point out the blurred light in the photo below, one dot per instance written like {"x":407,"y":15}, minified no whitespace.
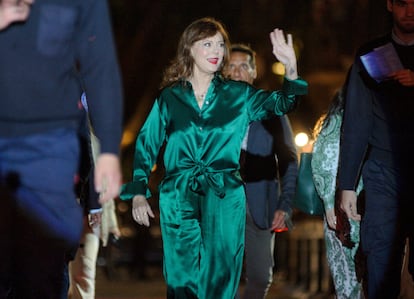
{"x":127,"y":232}
{"x":278,"y":68}
{"x":128,"y":137}
{"x":122,"y":207}
{"x":301,"y":139}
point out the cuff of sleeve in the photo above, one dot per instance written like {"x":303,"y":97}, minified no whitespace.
{"x":285,"y":205}
{"x":129,"y":190}
{"x":295,"y":87}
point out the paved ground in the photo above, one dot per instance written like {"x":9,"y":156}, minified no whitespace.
{"x":153,"y":287}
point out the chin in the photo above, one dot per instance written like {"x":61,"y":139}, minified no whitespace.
{"x":214,"y":70}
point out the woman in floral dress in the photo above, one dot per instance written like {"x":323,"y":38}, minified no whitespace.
{"x":341,"y":259}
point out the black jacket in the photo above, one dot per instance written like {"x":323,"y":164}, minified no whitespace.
{"x":378,"y":122}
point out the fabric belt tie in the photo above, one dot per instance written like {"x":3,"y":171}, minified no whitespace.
{"x":204,"y":177}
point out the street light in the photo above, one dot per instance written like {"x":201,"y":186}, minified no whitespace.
{"x":301,"y":139}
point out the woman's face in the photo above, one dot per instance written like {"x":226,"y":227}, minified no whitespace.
{"x":208,"y":54}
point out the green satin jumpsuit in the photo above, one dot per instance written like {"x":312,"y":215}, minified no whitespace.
{"x":202,"y":199}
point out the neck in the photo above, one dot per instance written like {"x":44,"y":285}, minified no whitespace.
{"x":199,"y":79}
{"x":407,"y":38}
{"x":201,"y":82}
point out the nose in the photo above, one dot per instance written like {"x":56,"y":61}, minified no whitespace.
{"x":216,"y":49}
{"x":237,"y":69}
{"x":235,"y":73}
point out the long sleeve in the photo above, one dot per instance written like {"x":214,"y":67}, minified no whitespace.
{"x":147,"y":147}
{"x":285,"y":151}
{"x":278,"y":102}
{"x":101,"y":75}
{"x":357,"y":125}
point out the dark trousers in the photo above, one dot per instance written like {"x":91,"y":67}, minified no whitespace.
{"x":383,"y":229}
{"x":40,"y":218}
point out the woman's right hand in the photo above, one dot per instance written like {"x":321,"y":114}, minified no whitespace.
{"x":141,"y":210}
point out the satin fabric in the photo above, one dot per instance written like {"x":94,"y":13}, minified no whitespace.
{"x":202,"y":199}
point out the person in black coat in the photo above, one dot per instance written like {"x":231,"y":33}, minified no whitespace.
{"x":376,"y":129}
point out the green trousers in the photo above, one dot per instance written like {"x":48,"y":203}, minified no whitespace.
{"x":203,"y":239}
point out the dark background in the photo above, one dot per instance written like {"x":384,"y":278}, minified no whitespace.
{"x":326,"y":34}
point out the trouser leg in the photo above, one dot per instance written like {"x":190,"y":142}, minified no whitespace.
{"x":181,"y":235}
{"x":7,"y":235}
{"x":381,"y":231}
{"x":47,"y":218}
{"x":223,"y":226}
{"x":259,"y":260}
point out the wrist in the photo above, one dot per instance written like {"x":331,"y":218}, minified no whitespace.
{"x":291,"y":71}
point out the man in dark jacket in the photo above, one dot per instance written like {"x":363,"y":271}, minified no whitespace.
{"x":269,"y":169}
{"x":41,"y":62}
{"x":375,"y":143}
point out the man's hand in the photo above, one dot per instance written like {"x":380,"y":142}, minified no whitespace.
{"x":108,"y":177}
{"x":13,"y":11}
{"x":141,"y":210}
{"x":284,"y":52}
{"x":405,"y":77}
{"x":278,"y":220}
{"x":349,"y":204}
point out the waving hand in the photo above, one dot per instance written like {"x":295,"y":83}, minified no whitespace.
{"x":284,"y":52}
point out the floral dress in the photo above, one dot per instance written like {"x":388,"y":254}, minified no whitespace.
{"x":341,"y":259}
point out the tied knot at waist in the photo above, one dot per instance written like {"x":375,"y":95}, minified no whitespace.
{"x":204,"y":177}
